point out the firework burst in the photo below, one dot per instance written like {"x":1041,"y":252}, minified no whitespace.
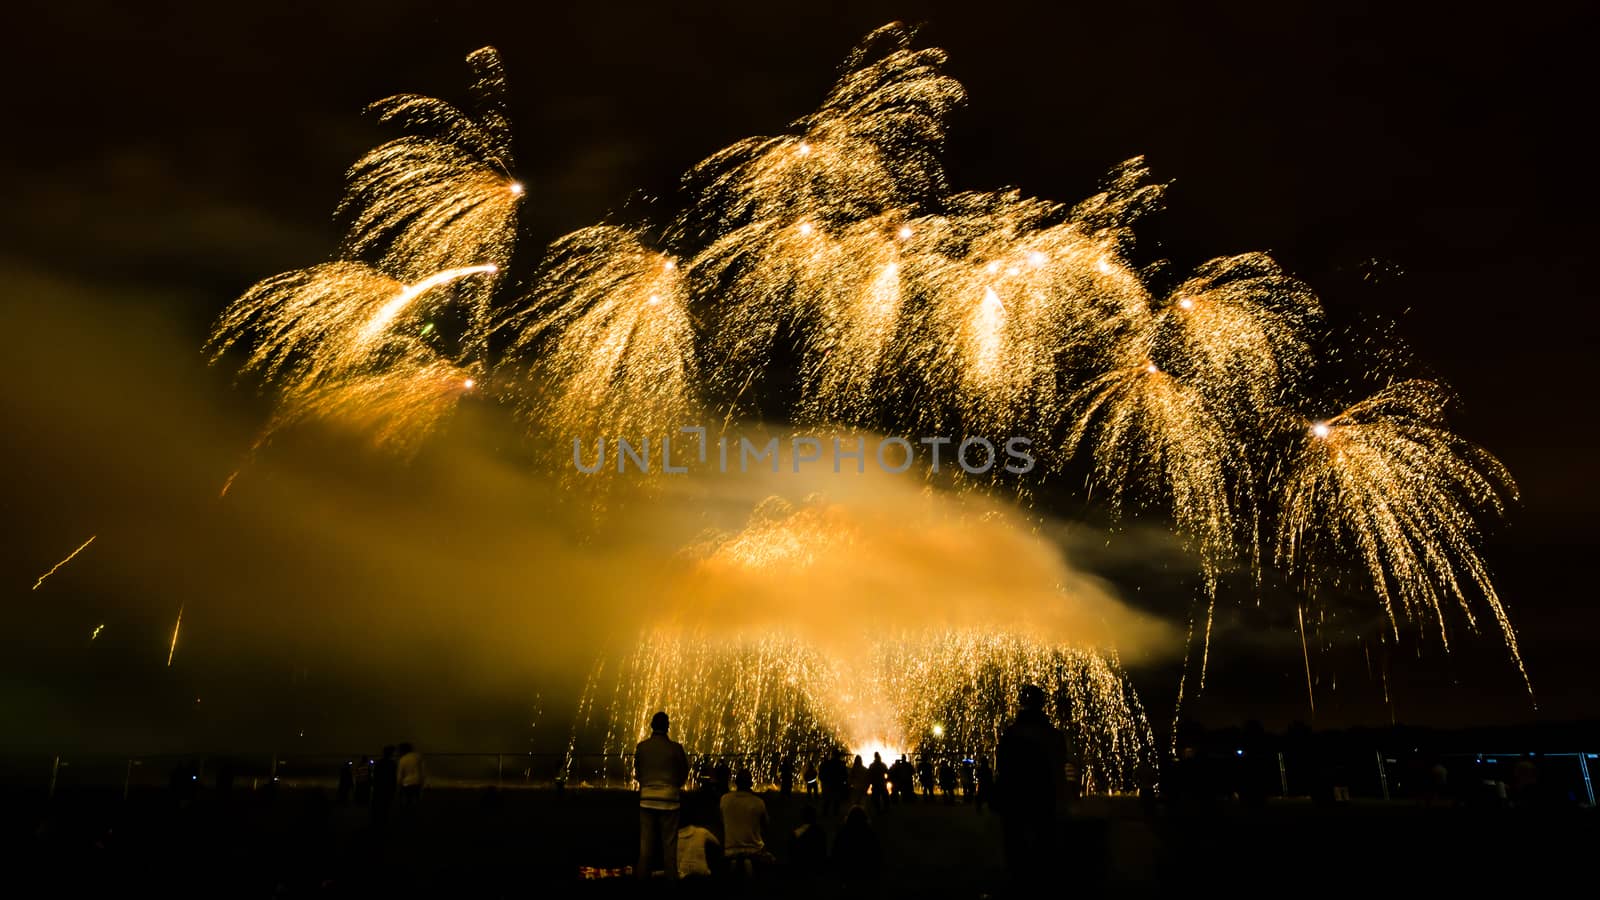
{"x":441,"y":196}
{"x":610,"y":318}
{"x":343,"y":341}
{"x":1386,"y":483}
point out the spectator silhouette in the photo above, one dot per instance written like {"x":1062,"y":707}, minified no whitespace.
{"x":834,"y":783}
{"x":698,"y":851}
{"x":878,"y":782}
{"x":744,"y":822}
{"x":857,"y":856}
{"x":786,"y":775}
{"x":925,"y":774}
{"x":903,"y":778}
{"x":984,"y":782}
{"x":808,"y":845}
{"x":660,"y":767}
{"x":1030,"y":779}
{"x":385,"y":775}
{"x":947,"y":781}
{"x":810,"y":777}
{"x":859,"y":779}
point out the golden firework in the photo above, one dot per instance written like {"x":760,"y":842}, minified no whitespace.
{"x":610,"y":322}
{"x":441,"y":196}
{"x":1386,"y":483}
{"x":343,"y":341}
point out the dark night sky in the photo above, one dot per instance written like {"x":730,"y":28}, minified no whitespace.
{"x":1429,"y":164}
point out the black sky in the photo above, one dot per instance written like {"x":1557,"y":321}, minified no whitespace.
{"x":1430,"y":164}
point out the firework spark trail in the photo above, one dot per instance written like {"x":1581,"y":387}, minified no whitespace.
{"x":1311,"y":697}
{"x":758,"y":697}
{"x":342,"y":340}
{"x":441,"y":196}
{"x":173,"y":649}
{"x":1385,"y":483}
{"x":612,"y":318}
{"x":63,"y":562}
{"x":871,"y":146}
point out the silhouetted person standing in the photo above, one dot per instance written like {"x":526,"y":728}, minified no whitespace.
{"x":878,"y":782}
{"x":660,"y":767}
{"x":1030,"y":780}
{"x":925,"y":775}
{"x":903,"y":778}
{"x":985,"y":784}
{"x":947,"y":781}
{"x":859,"y":779}
{"x":347,"y":780}
{"x":786,"y":775}
{"x":384,"y":779}
{"x":810,"y":776}
{"x":835,"y":783}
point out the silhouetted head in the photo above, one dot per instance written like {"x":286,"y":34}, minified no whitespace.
{"x":858,"y":760}
{"x":404,"y":749}
{"x":388,"y":752}
{"x":658,"y":723}
{"x":743,"y":781}
{"x":877,"y":757}
{"x":857,"y":818}
{"x":1031,"y":697}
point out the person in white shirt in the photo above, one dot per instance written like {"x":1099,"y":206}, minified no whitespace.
{"x":744,"y":818}
{"x":694,"y":841}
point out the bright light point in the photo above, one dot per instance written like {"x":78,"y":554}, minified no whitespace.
{"x":1320,"y":429}
{"x":805,"y":229}
{"x":669,"y":265}
{"x":655,"y":300}
{"x":804,"y":149}
{"x":516,"y":188}
{"x":992,"y":268}
{"x":1105,"y":267}
{"x":1012,"y":270}
{"x":1185,"y":303}
{"x":905,"y":232}
{"x":1151,"y":368}
{"x":491,"y":268}
{"x":468,"y":384}
{"x":1035,"y":258}
{"x":938,"y":731}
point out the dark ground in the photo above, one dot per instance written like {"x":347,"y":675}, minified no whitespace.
{"x":516,"y":843}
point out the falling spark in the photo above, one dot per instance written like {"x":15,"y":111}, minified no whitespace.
{"x":1306,"y":653}
{"x":175,"y":626}
{"x":63,"y":562}
{"x":97,"y":629}
{"x":757,"y":697}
